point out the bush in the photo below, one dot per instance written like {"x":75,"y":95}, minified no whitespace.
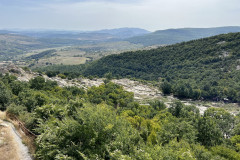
{"x":166,"y":87}
{"x":16,"y":109}
{"x":5,"y":96}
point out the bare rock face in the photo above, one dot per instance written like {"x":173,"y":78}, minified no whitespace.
{"x":3,"y":68}
{"x":238,"y":67}
{"x":141,"y":91}
{"x":21,"y":74}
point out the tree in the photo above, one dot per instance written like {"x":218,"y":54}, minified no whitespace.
{"x":224,"y":120}
{"x":17,"y":87}
{"x":110,"y":93}
{"x":37,"y":83}
{"x":166,"y":87}
{"x":235,"y":140}
{"x":179,"y":130}
{"x":5,"y":96}
{"x":176,"y":108}
{"x":226,"y":152}
{"x":95,"y":133}
{"x":158,"y":105}
{"x":208,"y":132}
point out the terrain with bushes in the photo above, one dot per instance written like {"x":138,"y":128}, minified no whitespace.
{"x":106,"y":123}
{"x":207,"y":68}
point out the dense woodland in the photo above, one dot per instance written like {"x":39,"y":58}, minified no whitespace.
{"x":200,"y":69}
{"x":105,"y":123}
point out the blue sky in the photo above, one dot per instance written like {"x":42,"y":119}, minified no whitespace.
{"x":106,"y":14}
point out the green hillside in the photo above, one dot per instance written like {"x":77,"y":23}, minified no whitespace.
{"x":206,"y":68}
{"x":172,"y":36}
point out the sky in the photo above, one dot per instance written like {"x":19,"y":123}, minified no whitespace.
{"x":87,"y":15}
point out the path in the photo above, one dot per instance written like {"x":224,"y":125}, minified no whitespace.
{"x":11,"y":146}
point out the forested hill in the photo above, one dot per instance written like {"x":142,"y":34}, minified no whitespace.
{"x":172,"y":36}
{"x":208,"y":68}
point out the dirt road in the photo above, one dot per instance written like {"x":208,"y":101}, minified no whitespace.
{"x":11,"y":146}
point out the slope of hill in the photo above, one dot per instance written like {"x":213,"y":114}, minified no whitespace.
{"x":12,"y":45}
{"x":207,"y":68}
{"x":172,"y":36}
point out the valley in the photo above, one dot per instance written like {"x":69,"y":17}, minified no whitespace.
{"x":78,"y":47}
{"x":119,"y":80}
{"x":74,"y":55}
{"x":112,"y":99}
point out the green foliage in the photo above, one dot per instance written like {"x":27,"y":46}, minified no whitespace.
{"x":208,"y":132}
{"x":110,"y":93}
{"x":157,"y":105}
{"x":76,"y":91}
{"x":62,"y":76}
{"x":95,"y":133}
{"x":235,"y":140}
{"x":16,"y":109}
{"x":176,"y":108}
{"x":225,"y":152}
{"x":5,"y":96}
{"x":31,"y":99}
{"x":42,"y":54}
{"x":179,"y":131}
{"x":222,"y":118}
{"x":39,"y":83}
{"x":18,"y":87}
{"x":106,"y":123}
{"x":166,"y":87}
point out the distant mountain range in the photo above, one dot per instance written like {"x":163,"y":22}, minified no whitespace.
{"x":124,"y":32}
{"x":172,"y":36}
{"x":16,"y":42}
{"x":106,"y":34}
{"x":132,"y":35}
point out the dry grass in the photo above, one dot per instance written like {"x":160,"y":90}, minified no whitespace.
{"x":30,"y":143}
{"x":63,"y":60}
{"x":2,"y":115}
